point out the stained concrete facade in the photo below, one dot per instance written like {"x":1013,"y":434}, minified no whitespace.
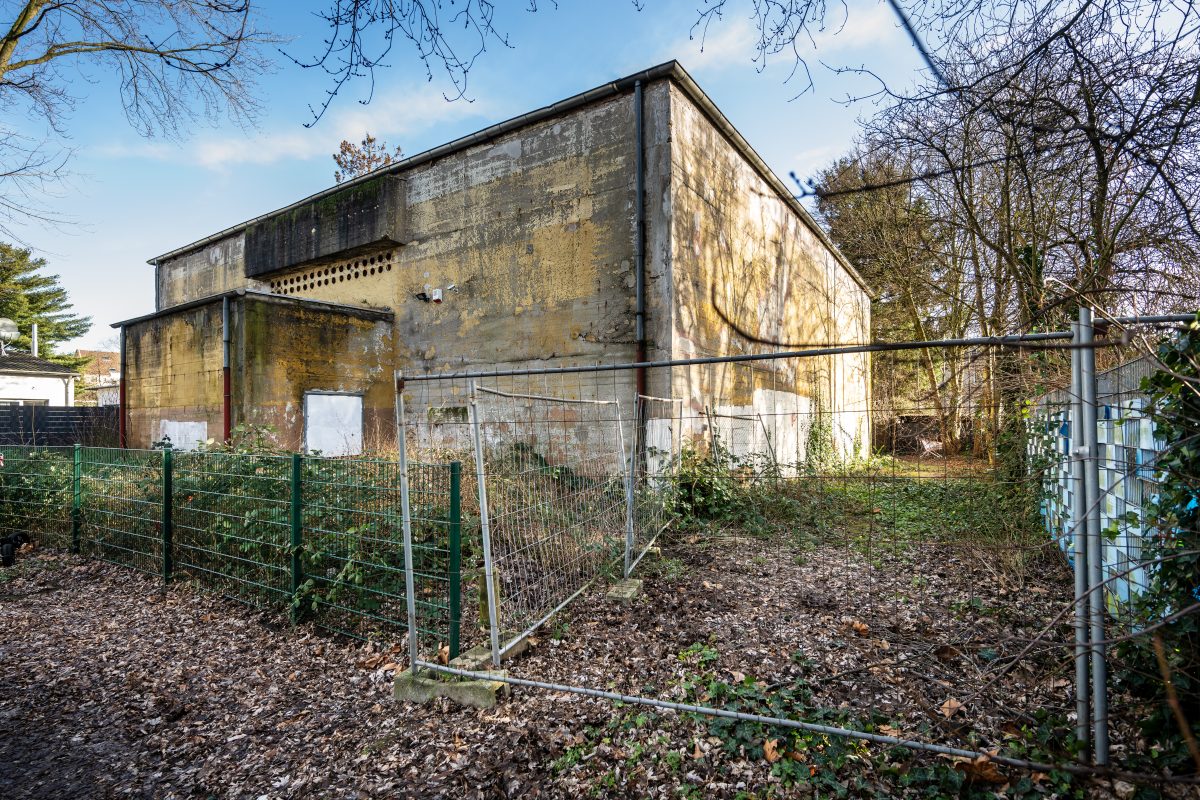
{"x":280,"y":349}
{"x":516,"y":246}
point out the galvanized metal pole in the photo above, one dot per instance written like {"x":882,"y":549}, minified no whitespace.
{"x":410,"y":592}
{"x":455,"y":557}
{"x":1078,"y":451}
{"x":485,"y":527}
{"x":1095,"y":545}
{"x":629,"y":464}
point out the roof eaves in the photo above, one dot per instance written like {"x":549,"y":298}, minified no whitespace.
{"x":341,"y":308}
{"x":671,"y":70}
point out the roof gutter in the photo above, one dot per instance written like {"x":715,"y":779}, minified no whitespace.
{"x":38,"y":374}
{"x":669,"y":69}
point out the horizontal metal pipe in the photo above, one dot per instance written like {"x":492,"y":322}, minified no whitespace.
{"x":993,"y":341}
{"x":1153,"y":319}
{"x":828,"y":730}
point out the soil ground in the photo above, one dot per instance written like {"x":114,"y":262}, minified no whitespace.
{"x":115,"y":687}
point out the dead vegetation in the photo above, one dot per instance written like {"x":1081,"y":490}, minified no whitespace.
{"x":117,"y":688}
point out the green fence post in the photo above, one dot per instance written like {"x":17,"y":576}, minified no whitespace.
{"x":297,"y":521}
{"x":455,"y":554}
{"x":167,"y":523}
{"x":76,"y":498}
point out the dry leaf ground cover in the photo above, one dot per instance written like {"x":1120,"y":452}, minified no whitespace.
{"x":116,"y":688}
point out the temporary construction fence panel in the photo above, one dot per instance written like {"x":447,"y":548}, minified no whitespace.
{"x":320,"y":536}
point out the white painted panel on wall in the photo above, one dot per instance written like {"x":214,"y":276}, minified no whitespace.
{"x":185,"y":434}
{"x":333,"y":424}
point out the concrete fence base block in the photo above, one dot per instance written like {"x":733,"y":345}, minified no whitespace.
{"x":625,"y":591}
{"x":479,"y":658}
{"x":474,"y":693}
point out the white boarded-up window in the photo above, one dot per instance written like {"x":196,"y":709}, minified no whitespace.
{"x":333,"y":423}
{"x":183,"y":434}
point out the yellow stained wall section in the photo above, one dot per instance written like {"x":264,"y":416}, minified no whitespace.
{"x":173,"y":372}
{"x":285,"y":350}
{"x":740,"y":252}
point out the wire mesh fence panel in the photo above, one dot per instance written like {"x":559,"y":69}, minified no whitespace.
{"x":36,"y":493}
{"x":121,"y":505}
{"x":556,"y":497}
{"x":232,"y":525}
{"x":354,"y":550}
{"x":658,"y":426}
{"x":555,"y":469}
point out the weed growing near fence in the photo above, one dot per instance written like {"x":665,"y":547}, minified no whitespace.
{"x":823,"y":765}
{"x":868,"y":504}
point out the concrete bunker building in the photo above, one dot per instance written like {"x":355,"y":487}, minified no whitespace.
{"x":625,"y":223}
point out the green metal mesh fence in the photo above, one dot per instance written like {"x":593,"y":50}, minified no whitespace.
{"x":321,"y":537}
{"x":35,"y":493}
{"x":231,"y":525}
{"x":120,"y":506}
{"x":353,"y":553}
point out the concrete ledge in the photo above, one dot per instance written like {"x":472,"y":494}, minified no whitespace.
{"x":479,"y":659}
{"x":476,"y":694}
{"x":625,"y":591}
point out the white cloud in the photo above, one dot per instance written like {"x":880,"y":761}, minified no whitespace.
{"x":729,"y":42}
{"x":733,"y":41}
{"x":391,"y":118}
{"x":864,"y":28}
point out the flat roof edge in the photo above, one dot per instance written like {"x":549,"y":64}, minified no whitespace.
{"x":383,"y":314}
{"x":671,"y":70}
{"x":604,"y":91}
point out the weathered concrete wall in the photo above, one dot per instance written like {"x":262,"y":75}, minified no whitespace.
{"x":535,"y":231}
{"x":212,"y":270}
{"x":279,"y":351}
{"x":530,"y":241}
{"x":173,"y":376}
{"x":284,"y":350}
{"x":741,"y":253}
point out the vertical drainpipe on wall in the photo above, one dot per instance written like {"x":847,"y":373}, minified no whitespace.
{"x":121,"y":408}
{"x":640,"y":276}
{"x":227,"y":388}
{"x":640,"y":241}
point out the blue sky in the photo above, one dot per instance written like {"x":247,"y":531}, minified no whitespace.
{"x":130,"y":198}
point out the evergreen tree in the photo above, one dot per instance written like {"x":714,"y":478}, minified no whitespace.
{"x":29,"y":295}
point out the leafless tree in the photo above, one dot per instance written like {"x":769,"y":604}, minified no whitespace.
{"x":177,"y":60}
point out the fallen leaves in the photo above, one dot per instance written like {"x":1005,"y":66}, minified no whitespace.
{"x":978,"y":770}
{"x":950,"y":707}
{"x":771,"y":751}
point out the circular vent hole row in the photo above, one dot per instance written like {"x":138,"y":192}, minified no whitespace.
{"x":334,"y":273}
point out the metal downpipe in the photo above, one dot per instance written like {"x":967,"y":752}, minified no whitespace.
{"x":226,"y":378}
{"x":122,"y":406}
